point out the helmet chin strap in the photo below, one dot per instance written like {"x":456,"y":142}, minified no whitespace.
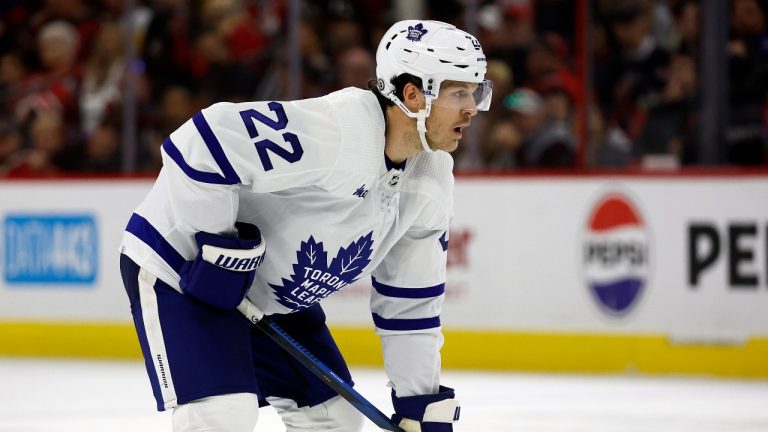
{"x":421,"y":127}
{"x":421,"y":119}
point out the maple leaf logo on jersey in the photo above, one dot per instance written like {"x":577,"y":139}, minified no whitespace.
{"x":313,"y":279}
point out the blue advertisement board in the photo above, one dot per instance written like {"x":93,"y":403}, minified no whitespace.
{"x":50,"y":249}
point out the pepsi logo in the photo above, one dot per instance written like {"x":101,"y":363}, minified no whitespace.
{"x":616,"y":254}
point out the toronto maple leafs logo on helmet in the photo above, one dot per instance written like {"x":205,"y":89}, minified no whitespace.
{"x":313,"y":279}
{"x":415,"y":33}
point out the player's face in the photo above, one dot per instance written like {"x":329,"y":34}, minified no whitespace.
{"x":451,"y":114}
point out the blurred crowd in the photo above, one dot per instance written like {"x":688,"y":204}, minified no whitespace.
{"x":68,"y":67}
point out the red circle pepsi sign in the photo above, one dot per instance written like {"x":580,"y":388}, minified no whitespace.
{"x":616,"y":253}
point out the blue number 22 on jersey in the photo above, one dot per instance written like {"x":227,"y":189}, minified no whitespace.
{"x":262,"y":146}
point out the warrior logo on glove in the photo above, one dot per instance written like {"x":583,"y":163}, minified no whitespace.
{"x":238,"y":264}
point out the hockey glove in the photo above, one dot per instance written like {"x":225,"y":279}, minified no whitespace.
{"x":426,"y":413}
{"x":224,"y":268}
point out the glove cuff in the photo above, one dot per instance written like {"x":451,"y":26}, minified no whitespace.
{"x":445,"y":411}
{"x":241,"y":260}
{"x":232,"y":253}
{"x":225,"y":241}
{"x":435,"y":408}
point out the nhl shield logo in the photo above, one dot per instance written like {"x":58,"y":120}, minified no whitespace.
{"x":616,"y":254}
{"x":415,"y":33}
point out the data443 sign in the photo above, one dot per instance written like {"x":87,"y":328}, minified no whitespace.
{"x":50,"y":249}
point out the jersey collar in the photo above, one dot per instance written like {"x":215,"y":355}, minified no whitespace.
{"x":391,"y":165}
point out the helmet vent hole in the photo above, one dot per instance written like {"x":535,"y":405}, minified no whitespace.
{"x":462,"y":66}
{"x":460,"y":48}
{"x":444,"y":61}
{"x":388,"y":44}
{"x":430,"y":50}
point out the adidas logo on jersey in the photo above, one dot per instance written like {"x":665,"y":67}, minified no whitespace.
{"x":361,"y":192}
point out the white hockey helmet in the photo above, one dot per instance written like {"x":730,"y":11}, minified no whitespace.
{"x":434,"y":52}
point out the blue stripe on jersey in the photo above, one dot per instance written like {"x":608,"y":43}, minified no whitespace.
{"x":215,"y":148}
{"x":201,"y":176}
{"x":405,"y":324}
{"x":142,"y":229}
{"x":412,"y":293}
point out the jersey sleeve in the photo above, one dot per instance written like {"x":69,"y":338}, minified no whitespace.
{"x":211,"y":158}
{"x":409,"y":284}
{"x":267,"y":146}
{"x":406,"y":300}
{"x":263,"y":146}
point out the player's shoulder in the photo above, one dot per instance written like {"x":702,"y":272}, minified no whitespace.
{"x":362,"y":126}
{"x":430,"y":177}
{"x":270,"y":145}
{"x":434,"y":169}
{"x":333,"y":136}
{"x":306,"y":116}
{"x":348,"y":117}
{"x":358,"y":112}
{"x":360,"y":101}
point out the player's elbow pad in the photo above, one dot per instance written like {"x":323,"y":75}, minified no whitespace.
{"x":224,"y":268}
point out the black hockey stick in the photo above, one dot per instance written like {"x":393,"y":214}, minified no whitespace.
{"x":316,"y":366}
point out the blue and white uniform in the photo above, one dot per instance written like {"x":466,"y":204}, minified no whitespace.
{"x":312,"y":176}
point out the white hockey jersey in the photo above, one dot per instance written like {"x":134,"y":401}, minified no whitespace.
{"x":311,"y":174}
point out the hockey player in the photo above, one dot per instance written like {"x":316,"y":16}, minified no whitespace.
{"x":286,"y":203}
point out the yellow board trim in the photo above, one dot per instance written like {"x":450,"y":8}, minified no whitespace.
{"x":576,"y":352}
{"x":87,"y":340}
{"x":486,"y":350}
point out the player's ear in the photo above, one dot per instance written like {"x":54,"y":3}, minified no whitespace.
{"x":413,"y":98}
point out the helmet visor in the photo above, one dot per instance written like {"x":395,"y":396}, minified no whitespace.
{"x":465,"y":95}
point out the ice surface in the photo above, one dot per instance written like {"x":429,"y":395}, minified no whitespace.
{"x":88,"y":396}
